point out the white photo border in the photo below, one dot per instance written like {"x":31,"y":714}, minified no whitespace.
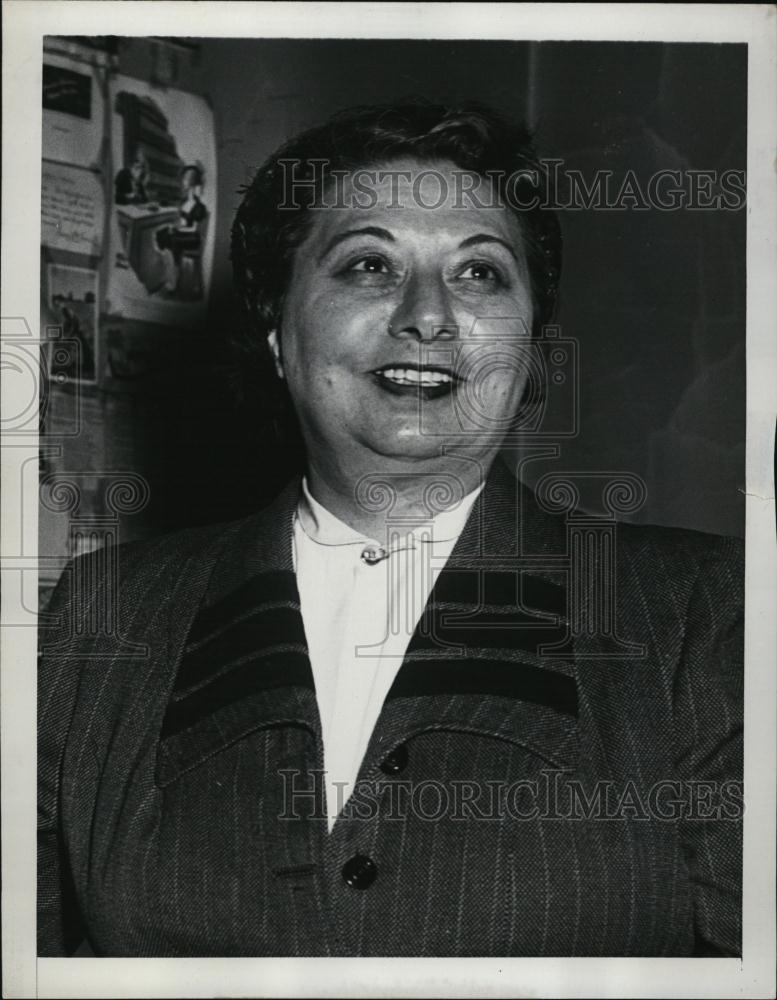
{"x":25,"y":22}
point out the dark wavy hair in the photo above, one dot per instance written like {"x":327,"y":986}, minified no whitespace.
{"x":266,"y":233}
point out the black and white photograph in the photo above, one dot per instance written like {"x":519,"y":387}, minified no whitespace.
{"x":399,"y":565}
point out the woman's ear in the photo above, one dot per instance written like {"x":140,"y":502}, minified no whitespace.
{"x":275,"y":350}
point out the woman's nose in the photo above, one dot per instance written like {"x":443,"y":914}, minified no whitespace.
{"x":425,"y":312}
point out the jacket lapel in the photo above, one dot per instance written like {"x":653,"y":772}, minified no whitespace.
{"x":477,"y":660}
{"x":245,"y":663}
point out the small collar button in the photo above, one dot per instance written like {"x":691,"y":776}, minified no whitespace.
{"x":373,"y":554}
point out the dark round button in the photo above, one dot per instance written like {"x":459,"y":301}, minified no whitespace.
{"x":396,"y":761}
{"x":360,"y":872}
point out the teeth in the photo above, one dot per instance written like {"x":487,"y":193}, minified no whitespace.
{"x":411,"y":376}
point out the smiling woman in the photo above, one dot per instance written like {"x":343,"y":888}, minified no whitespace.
{"x":410,"y":708}
{"x":401,"y":241}
{"x":385,"y":311}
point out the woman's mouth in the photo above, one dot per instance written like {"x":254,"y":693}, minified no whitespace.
{"x":425,"y":381}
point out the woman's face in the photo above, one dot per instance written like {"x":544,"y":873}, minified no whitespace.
{"x":405,"y":328}
{"x":190,"y":180}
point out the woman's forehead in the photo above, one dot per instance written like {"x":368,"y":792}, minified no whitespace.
{"x":408,"y":195}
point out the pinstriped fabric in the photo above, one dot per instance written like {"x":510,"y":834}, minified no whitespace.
{"x":180,"y":808}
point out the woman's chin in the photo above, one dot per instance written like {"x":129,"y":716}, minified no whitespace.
{"x":414,"y":446}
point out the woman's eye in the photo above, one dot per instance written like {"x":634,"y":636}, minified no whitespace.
{"x":480,"y":272}
{"x":370,"y":270}
{"x":369,"y":265}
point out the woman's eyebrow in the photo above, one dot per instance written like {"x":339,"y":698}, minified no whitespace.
{"x":472,"y":241}
{"x":382,"y":234}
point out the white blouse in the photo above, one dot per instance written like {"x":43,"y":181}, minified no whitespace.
{"x":360,"y":606}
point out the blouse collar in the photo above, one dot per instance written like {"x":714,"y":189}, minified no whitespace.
{"x":325,"y":528}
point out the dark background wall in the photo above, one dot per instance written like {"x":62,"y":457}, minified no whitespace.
{"x":654,"y":300}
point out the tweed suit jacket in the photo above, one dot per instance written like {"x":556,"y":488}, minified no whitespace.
{"x":534,"y":786}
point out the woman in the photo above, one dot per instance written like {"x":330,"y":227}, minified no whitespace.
{"x":182,"y":244}
{"x":378,"y":718}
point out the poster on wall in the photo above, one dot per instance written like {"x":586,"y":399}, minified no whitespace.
{"x":72,"y":209}
{"x":163,"y":203}
{"x":73,"y":110}
{"x":73,"y":298}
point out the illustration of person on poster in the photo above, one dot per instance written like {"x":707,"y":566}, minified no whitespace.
{"x":162,"y":236}
{"x":131,"y":181}
{"x":182,"y":243}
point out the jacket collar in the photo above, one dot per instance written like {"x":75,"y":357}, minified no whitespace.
{"x":246,"y":655}
{"x":505,"y":523}
{"x":507,"y":528}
